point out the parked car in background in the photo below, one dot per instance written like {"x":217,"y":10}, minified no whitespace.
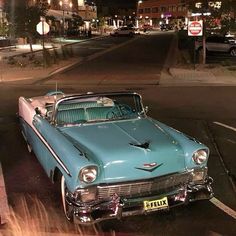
{"x":110,"y":158}
{"x":217,"y":43}
{"x":147,"y":27}
{"x":124,"y":31}
{"x":5,"y":41}
{"x":166,"y":27}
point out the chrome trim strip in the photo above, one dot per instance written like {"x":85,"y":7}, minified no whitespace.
{"x":56,"y":157}
{"x":135,"y":188}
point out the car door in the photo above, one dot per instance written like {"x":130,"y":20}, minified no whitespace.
{"x":217,"y":44}
{"x":212,"y":43}
{"x":222,"y":44}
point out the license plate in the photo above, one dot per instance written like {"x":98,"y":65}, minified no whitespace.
{"x":156,"y":204}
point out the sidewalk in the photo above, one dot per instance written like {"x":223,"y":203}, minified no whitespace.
{"x":202,"y":75}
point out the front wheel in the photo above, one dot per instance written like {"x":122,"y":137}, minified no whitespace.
{"x":233,"y":52}
{"x":67,"y":206}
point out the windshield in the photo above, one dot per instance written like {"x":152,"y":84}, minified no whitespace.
{"x":98,"y":109}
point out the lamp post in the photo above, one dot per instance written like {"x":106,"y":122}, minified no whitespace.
{"x":63,"y":18}
{"x":138,"y":4}
{"x":64,"y":4}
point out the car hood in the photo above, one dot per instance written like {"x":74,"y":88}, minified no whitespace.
{"x":128,"y":149}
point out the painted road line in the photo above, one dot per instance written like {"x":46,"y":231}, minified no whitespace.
{"x":4,"y":208}
{"x":224,"y":125}
{"x":223,"y":207}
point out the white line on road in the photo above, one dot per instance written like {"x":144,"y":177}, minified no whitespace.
{"x":223,"y":207}
{"x":224,"y":125}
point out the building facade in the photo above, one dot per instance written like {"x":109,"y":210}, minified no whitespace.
{"x":69,"y":5}
{"x":88,"y":11}
{"x":156,"y":12}
{"x":85,"y":9}
{"x":64,"y":14}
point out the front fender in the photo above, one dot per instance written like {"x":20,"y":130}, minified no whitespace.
{"x":188,"y":144}
{"x":65,"y":155}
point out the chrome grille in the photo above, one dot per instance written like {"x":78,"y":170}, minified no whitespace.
{"x":131,"y":189}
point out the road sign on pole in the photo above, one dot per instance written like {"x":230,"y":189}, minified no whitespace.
{"x":43,"y":27}
{"x":195,"y":28}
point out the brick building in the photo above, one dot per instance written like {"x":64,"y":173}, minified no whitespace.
{"x":154,"y":12}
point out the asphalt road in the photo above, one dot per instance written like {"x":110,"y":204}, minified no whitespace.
{"x":222,"y":58}
{"x":206,"y":113}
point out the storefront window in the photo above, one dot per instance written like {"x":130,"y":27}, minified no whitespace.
{"x":140,"y":11}
{"x":155,"y":9}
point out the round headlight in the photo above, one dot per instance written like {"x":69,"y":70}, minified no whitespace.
{"x":88,"y":174}
{"x":200,"y":156}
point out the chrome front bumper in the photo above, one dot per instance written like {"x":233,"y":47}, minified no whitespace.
{"x":118,"y":207}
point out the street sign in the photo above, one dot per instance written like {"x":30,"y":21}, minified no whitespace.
{"x":195,"y":28}
{"x":43,"y":27}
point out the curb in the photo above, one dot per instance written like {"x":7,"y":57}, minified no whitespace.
{"x":109,"y":82}
{"x":4,"y":208}
{"x":86,"y":59}
{"x":7,"y":48}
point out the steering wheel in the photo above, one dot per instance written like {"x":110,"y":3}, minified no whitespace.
{"x":113,"y":113}
{"x":125,"y":109}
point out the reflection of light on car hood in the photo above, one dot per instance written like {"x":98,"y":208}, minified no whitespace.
{"x":108,"y":145}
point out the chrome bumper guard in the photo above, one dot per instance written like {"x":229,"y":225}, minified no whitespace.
{"x":118,"y":207}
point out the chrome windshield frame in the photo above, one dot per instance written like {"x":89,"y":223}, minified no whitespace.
{"x":90,"y":95}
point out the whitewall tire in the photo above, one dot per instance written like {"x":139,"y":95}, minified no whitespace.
{"x":67,"y":207}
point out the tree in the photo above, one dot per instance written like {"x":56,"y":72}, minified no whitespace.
{"x":222,"y":12}
{"x":24,"y":18}
{"x":3,"y":28}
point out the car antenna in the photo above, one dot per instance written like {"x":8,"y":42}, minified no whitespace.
{"x":56,"y":91}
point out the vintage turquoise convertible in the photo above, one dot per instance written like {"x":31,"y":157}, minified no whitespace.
{"x":111,"y":159}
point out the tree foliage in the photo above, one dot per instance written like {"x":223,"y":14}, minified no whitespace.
{"x":24,"y":18}
{"x":222,"y":14}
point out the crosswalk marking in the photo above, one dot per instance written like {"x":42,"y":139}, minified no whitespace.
{"x":223,"y":207}
{"x":224,"y":125}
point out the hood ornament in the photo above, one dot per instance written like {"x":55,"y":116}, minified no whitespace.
{"x":149,"y":166}
{"x":141,"y":145}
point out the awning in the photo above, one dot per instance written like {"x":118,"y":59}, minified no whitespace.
{"x":58,"y":14}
